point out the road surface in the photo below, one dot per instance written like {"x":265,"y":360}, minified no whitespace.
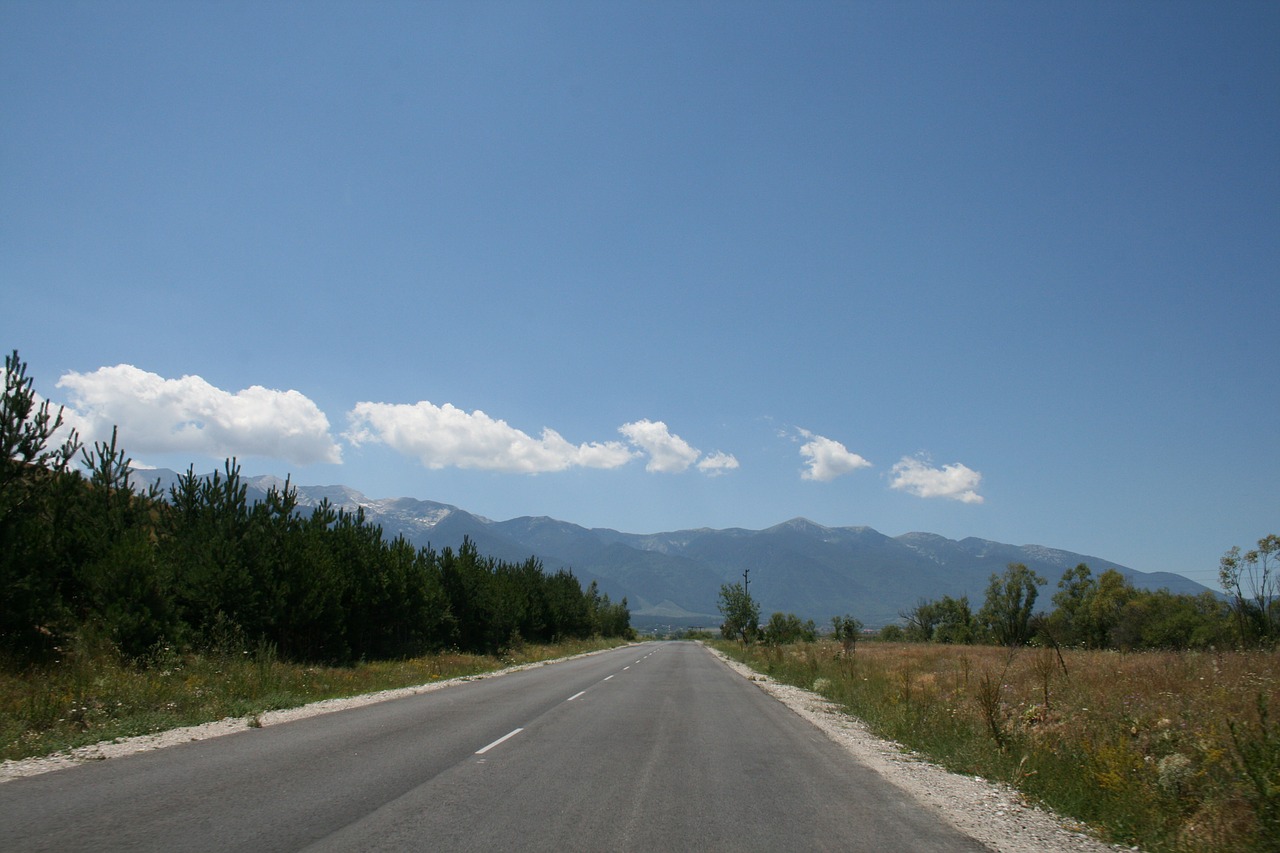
{"x":653,"y":747}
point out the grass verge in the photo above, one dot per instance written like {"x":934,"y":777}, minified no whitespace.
{"x":1167,"y":751}
{"x":89,"y":695}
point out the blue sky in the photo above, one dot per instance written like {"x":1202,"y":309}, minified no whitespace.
{"x":1002,"y":270}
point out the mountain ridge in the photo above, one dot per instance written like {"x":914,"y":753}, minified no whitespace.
{"x":674,"y":577}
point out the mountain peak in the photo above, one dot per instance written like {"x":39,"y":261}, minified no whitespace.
{"x":799,"y":524}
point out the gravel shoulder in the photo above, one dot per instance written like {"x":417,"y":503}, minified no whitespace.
{"x":993,"y":814}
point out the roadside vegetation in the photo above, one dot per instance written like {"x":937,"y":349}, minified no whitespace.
{"x":1151,"y":718}
{"x":90,"y":694}
{"x":127,"y":610}
{"x":1168,"y":751}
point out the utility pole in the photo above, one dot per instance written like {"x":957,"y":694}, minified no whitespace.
{"x":746,"y":583}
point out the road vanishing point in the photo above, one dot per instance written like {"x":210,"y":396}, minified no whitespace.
{"x":653,"y":747}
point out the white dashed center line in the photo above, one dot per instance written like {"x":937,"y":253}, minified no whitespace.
{"x":502,"y":739}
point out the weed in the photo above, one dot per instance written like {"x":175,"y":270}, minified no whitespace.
{"x":989,"y":698}
{"x":1045,"y":664}
{"x":1257,"y":754}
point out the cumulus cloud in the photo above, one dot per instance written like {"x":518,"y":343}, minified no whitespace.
{"x":827,"y":458}
{"x":446,"y":436}
{"x":668,"y":454}
{"x":916,"y":476}
{"x":717,"y":464}
{"x":158,"y":415}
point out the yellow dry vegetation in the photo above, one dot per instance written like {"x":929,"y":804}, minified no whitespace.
{"x":1166,"y":750}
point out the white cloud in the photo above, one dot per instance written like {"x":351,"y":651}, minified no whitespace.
{"x":446,"y":436}
{"x":958,"y":482}
{"x":158,"y":415}
{"x":827,"y":458}
{"x":717,"y":464}
{"x":668,"y":454}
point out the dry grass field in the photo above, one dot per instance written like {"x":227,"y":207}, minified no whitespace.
{"x":1164,"y":750}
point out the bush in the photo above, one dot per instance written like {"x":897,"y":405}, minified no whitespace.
{"x":786,"y":628}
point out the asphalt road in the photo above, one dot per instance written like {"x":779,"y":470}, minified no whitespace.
{"x":655,"y":747}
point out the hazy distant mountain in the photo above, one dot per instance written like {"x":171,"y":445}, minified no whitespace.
{"x":797,"y":566}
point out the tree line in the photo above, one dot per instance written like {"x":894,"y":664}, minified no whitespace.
{"x":1095,"y":612}
{"x":1108,"y":611}
{"x":201,"y":566}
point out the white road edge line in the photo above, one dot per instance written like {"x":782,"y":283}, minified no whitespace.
{"x":502,"y":739}
{"x":607,"y":678}
{"x":575,"y":696}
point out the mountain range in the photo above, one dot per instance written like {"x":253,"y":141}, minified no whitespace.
{"x":674,"y":578}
